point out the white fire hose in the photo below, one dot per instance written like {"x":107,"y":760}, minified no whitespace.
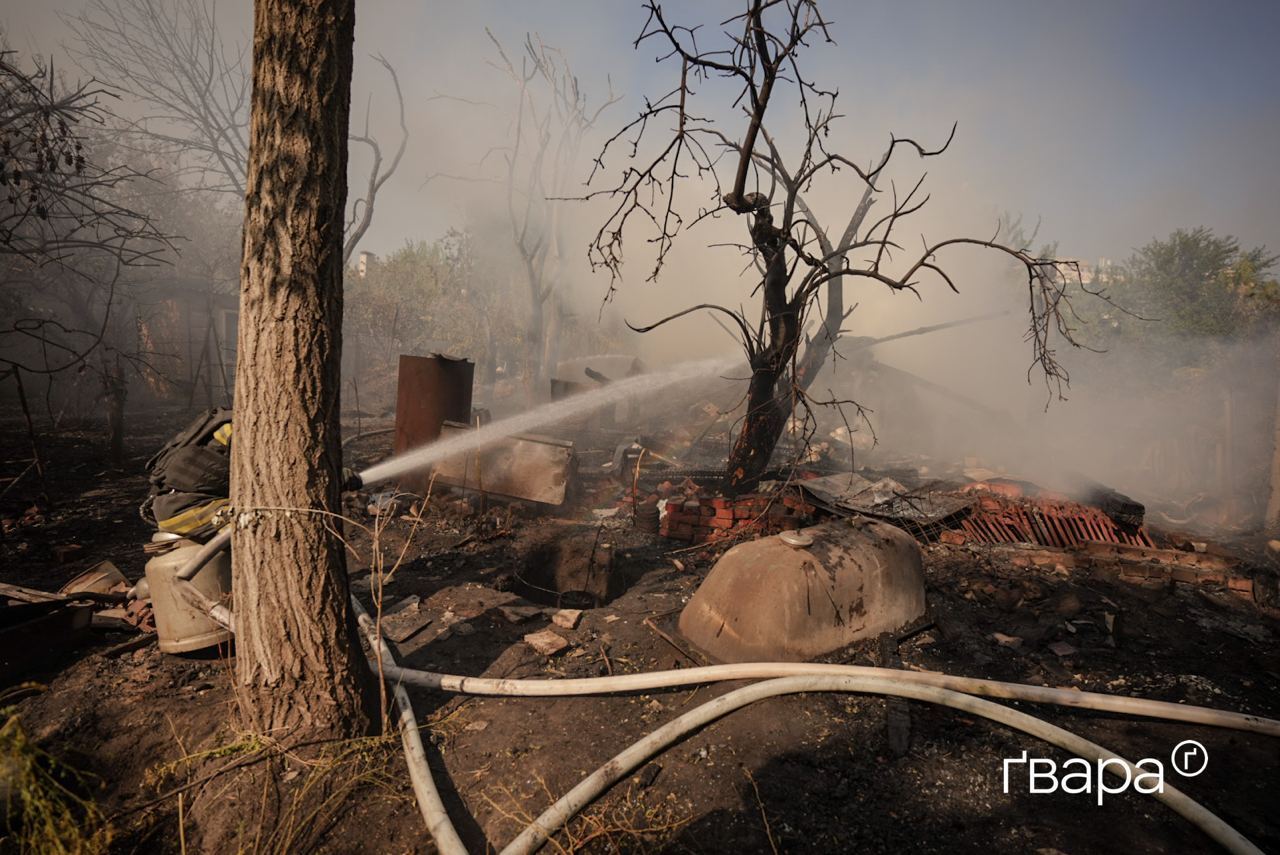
{"x":779,"y":678}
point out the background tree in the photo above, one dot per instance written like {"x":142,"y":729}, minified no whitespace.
{"x":446,"y":296}
{"x":193,"y":86}
{"x":1198,"y":286}
{"x":1198,"y":299}
{"x":760,"y":57}
{"x":297,"y":661}
{"x":71,"y":236}
{"x":551,"y":117}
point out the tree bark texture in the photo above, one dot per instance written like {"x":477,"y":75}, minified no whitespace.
{"x":298,"y":664}
{"x":767,"y":407}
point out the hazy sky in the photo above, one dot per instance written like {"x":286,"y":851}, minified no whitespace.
{"x":1113,"y":121}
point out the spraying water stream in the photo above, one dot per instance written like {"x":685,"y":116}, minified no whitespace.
{"x":541,"y":416}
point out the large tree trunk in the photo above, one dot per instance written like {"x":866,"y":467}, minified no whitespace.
{"x":761,"y":429}
{"x":300,"y":671}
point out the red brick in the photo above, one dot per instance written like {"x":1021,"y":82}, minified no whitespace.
{"x":1244,"y":587}
{"x":719,"y":503}
{"x":717,"y":522}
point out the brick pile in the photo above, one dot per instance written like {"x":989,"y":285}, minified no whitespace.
{"x":1158,"y":571}
{"x":702,"y":519}
{"x":1161,"y":575}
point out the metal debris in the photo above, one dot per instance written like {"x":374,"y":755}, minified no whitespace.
{"x":1046,"y":522}
{"x":533,"y":468}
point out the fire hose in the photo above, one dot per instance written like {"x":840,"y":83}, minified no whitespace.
{"x":779,"y":678}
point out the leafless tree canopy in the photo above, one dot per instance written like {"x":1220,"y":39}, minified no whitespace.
{"x":668,"y":143}
{"x":194,"y":87}
{"x":57,"y":200}
{"x":552,"y":116}
{"x":67,"y":230}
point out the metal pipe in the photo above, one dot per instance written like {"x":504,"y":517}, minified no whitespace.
{"x":216,"y":544}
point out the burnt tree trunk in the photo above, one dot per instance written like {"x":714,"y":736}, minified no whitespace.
{"x":300,"y":670}
{"x":115,"y":390}
{"x":539,"y":374}
{"x":768,"y":407}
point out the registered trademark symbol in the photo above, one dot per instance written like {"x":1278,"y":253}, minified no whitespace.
{"x":1189,"y":758}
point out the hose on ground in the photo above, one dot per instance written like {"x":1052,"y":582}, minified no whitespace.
{"x":553,"y":818}
{"x":769,"y":670}
{"x":424,"y":785}
{"x":779,"y":679}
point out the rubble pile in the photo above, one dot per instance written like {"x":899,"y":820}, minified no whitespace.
{"x":712,"y":519}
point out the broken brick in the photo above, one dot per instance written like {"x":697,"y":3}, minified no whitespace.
{"x":546,"y":642}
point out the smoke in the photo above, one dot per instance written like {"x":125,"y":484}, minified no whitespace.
{"x":1111,"y":124}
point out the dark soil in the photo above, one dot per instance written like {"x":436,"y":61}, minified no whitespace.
{"x":801,"y":774}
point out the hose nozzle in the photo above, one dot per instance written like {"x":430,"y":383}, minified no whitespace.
{"x":351,"y":480}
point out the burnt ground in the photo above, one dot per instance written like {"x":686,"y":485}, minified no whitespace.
{"x":809,"y":773}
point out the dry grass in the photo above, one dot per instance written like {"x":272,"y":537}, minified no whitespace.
{"x":302,"y":794}
{"x":43,"y":808}
{"x":622,"y":821}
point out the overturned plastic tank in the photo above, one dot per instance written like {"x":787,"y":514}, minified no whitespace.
{"x":802,"y":594}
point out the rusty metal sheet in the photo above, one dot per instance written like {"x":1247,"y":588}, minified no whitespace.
{"x":430,"y":390}
{"x":525,"y":466}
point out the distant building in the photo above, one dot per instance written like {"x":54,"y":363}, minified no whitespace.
{"x":367,"y":260}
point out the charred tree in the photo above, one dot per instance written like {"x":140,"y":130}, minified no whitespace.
{"x":298,"y":663}
{"x":1271,"y":515}
{"x":797,"y":261}
{"x":68,"y":233}
{"x":767,"y":408}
